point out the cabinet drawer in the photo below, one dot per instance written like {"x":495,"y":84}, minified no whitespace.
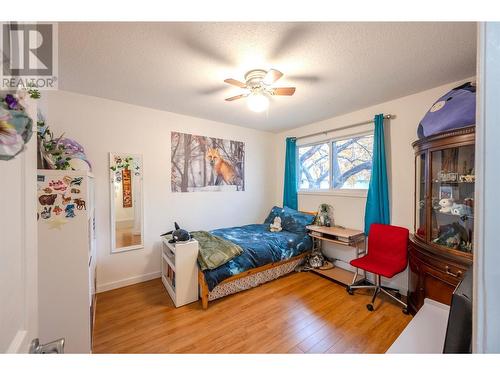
{"x":450,"y":271}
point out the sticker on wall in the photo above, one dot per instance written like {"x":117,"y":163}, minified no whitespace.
{"x":67,"y":180}
{"x":75,"y":191}
{"x":80,"y":204}
{"x":58,"y":185}
{"x":57,"y":222}
{"x":58,"y":210}
{"x":46,"y":213}
{"x":65,"y":200}
{"x":70,"y":210}
{"x":47,"y":199}
{"x":77,"y":181}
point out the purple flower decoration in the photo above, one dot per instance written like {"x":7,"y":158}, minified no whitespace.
{"x":11,"y":101}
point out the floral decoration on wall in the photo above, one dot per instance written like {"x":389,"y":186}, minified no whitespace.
{"x":121,"y":163}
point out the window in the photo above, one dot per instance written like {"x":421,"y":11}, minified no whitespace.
{"x":314,"y":166}
{"x":339,"y":164}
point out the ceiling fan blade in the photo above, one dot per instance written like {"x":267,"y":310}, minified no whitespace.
{"x":283,"y":91}
{"x":272,"y":76}
{"x":235,"y":82}
{"x":235,"y":97}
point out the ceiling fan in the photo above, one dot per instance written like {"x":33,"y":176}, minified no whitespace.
{"x":258,"y":88}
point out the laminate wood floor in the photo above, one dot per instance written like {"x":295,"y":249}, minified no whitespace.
{"x":298,"y":313}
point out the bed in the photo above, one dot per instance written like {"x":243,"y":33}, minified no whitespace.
{"x":266,"y":255}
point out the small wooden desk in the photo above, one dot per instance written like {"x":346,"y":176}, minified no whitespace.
{"x":340,"y":236}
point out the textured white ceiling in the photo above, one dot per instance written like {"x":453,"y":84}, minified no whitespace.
{"x":336,"y":67}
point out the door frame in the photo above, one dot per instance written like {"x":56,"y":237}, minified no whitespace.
{"x":28,"y":330}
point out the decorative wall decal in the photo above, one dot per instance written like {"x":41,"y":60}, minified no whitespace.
{"x":47,"y":200}
{"x":65,"y":200}
{"x":70,"y":210}
{"x":57,"y":222}
{"x":57,"y":185}
{"x":75,"y":191}
{"x":59,"y":203}
{"x":46,"y":213}
{"x":77,"y":181}
{"x":80,"y":204}
{"x":127,"y":188}
{"x":206,"y":164}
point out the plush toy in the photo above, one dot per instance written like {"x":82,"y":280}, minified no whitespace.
{"x":452,"y":235}
{"x":461,"y":209}
{"x":324,"y":216}
{"x":446,"y":205}
{"x":275,"y":226}
{"x":178,"y":235}
{"x":435,"y":204}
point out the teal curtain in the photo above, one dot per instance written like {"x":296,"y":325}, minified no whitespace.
{"x":290,"y":184}
{"x":377,"y":203}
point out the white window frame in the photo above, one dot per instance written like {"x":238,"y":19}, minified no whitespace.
{"x":357,"y":193}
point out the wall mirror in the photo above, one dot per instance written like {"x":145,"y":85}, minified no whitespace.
{"x":126,"y":202}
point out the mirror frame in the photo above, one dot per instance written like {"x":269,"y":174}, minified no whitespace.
{"x":112,"y":205}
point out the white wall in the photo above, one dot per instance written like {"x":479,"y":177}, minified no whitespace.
{"x":400,"y":133}
{"x":104,"y":126}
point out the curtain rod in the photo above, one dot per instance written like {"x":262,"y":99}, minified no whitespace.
{"x":325,"y":132}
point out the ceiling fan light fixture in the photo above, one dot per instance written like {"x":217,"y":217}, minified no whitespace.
{"x":257,"y":102}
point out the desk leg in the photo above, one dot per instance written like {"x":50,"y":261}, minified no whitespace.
{"x":355,"y":283}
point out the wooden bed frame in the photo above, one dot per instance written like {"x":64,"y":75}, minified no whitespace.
{"x":251,"y":272}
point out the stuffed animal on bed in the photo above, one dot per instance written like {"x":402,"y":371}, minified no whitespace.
{"x":275,"y":226}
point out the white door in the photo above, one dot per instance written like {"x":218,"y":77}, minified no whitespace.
{"x":18,"y":251}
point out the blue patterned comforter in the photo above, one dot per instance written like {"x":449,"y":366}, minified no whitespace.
{"x":260,"y":247}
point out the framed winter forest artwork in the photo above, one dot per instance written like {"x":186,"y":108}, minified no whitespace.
{"x":206,"y":164}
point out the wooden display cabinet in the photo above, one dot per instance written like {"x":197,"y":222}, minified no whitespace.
{"x":441,"y":248}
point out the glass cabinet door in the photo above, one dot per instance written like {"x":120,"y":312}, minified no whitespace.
{"x":453,"y":177}
{"x":420,"y":201}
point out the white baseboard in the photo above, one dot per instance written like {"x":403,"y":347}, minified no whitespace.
{"x":128,"y":281}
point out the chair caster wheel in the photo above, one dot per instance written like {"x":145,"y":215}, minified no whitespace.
{"x":405,"y":311}
{"x":349,"y":290}
{"x":369,"y":307}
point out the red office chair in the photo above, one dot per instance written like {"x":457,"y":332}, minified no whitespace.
{"x":387,"y":256}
